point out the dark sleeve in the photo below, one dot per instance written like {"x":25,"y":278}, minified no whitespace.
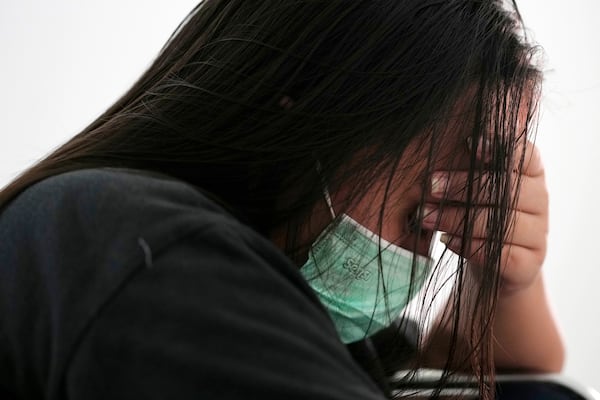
{"x":212,"y":316}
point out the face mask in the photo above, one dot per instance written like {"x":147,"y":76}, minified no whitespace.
{"x":343,"y":270}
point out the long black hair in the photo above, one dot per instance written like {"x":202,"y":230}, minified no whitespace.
{"x":362,"y":74}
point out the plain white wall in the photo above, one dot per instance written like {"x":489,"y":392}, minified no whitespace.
{"x":569,"y":137}
{"x":65,"y":61}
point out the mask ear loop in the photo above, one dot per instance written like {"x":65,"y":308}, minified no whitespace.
{"x":325,"y":191}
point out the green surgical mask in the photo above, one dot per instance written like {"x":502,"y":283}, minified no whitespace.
{"x":343,"y":270}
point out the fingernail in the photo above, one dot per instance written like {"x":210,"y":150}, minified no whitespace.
{"x":430,"y":215}
{"x":469,"y":141}
{"x":484,"y":151}
{"x":444,"y":238}
{"x":439,"y":182}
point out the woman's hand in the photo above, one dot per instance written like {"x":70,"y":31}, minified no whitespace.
{"x":524,"y":248}
{"x":526,"y":336}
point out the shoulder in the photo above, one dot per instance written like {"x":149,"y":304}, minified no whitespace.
{"x":104,"y":223}
{"x":92,"y":250}
{"x":92,"y":195}
{"x":109,"y":209}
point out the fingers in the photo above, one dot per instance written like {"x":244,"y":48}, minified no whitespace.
{"x":532,"y":196}
{"x":524,"y":248}
{"x":532,"y":160}
{"x":525,"y":150}
{"x":527,"y":230}
{"x":529,"y":212}
{"x":452,"y":186}
{"x":525,"y":243}
{"x":518,"y":264}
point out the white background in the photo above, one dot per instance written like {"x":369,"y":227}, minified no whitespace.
{"x":65,"y":61}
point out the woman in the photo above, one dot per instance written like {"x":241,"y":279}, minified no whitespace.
{"x":268,"y":191}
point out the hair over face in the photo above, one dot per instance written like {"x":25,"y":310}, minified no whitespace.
{"x":364,"y":74}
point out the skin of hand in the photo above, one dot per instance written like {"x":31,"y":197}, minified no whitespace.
{"x":525,"y":249}
{"x":526,"y":336}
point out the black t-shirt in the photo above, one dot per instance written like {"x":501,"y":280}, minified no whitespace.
{"x":122,"y":284}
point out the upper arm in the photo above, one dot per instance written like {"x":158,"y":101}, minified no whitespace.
{"x":211,"y":318}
